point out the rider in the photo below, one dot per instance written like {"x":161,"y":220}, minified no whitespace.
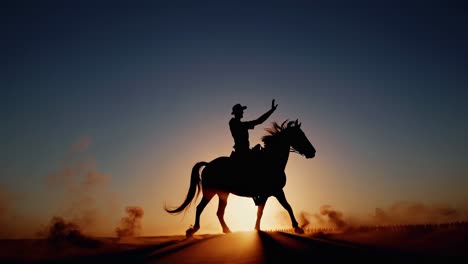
{"x":239,"y":129}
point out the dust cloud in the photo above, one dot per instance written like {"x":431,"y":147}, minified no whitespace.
{"x":62,"y":233}
{"x":130,"y":225}
{"x":399,"y":213}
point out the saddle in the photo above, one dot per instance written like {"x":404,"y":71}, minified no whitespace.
{"x":248,"y":162}
{"x":252,"y":171}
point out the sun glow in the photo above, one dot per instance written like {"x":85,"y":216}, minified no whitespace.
{"x":240,"y":214}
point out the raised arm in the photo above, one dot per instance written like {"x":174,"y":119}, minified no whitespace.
{"x":263,"y":117}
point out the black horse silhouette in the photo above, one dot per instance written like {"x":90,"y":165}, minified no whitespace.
{"x":261,"y":178}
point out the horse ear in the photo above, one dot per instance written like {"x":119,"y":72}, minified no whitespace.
{"x":297,"y":124}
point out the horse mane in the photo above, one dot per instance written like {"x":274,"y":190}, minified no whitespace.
{"x":275,"y":131}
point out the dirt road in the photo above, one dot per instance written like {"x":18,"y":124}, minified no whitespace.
{"x":267,"y":247}
{"x":238,"y":247}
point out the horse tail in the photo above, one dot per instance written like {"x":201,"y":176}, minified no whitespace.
{"x":194,"y":189}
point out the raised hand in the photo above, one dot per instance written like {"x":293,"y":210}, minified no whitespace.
{"x":273,"y":106}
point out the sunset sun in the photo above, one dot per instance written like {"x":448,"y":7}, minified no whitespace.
{"x":240,"y":213}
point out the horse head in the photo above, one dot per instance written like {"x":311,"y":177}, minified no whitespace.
{"x":291,"y":135}
{"x":298,"y":140}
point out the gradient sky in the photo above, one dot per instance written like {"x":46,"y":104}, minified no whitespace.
{"x":139,"y":91}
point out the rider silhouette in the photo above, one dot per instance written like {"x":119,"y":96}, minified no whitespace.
{"x":239,"y":129}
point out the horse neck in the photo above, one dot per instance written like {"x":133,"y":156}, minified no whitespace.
{"x":280,"y":153}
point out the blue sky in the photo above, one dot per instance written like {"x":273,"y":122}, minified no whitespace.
{"x":380,"y":90}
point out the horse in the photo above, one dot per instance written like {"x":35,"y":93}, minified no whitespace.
{"x":259,"y":179}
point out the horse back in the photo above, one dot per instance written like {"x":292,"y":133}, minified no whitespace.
{"x":226,"y":174}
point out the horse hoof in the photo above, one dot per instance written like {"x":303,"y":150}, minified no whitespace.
{"x":190,"y":232}
{"x":298,"y":230}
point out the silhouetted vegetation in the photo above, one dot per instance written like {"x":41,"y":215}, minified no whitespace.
{"x":462,"y":226}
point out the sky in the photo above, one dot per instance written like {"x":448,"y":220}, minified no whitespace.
{"x":110,"y":104}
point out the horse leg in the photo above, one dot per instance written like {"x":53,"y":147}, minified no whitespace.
{"x":260,"y":208}
{"x":207,"y":195}
{"x":223,"y":196}
{"x":282,"y":200}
